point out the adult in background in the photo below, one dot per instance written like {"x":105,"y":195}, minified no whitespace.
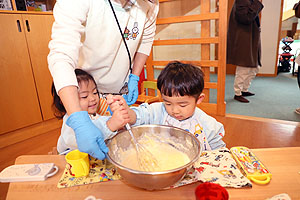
{"x":91,"y":35}
{"x":243,"y":45}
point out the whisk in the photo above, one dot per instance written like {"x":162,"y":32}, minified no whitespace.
{"x":145,"y":158}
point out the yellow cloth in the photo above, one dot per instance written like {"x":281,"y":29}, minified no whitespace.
{"x":100,"y":171}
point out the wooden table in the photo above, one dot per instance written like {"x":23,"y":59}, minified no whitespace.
{"x":284,"y":164}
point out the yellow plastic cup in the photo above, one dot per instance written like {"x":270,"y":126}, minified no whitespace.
{"x":78,"y":163}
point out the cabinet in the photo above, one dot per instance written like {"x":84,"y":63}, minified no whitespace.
{"x":25,"y":81}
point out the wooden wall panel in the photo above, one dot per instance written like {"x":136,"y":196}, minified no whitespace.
{"x":40,"y":27}
{"x":19,"y":105}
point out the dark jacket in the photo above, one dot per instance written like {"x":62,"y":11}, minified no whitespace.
{"x":243,"y":37}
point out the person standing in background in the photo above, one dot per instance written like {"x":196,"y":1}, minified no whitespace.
{"x":90,"y":35}
{"x":243,"y":45}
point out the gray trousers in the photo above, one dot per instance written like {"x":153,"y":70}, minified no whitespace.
{"x":243,"y":78}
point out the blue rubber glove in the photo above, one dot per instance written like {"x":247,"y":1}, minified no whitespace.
{"x":133,"y":90}
{"x":88,"y":137}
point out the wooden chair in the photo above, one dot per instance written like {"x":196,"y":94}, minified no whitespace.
{"x":144,"y":97}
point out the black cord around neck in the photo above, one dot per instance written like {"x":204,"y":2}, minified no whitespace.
{"x":121,"y":35}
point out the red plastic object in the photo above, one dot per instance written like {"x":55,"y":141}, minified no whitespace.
{"x":286,"y":54}
{"x":211,"y":191}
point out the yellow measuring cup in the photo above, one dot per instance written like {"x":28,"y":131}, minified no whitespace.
{"x":78,"y":163}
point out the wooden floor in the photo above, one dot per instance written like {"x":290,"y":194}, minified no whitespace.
{"x":239,"y":131}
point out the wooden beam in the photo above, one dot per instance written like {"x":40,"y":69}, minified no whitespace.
{"x":149,"y":67}
{"x":187,"y":18}
{"x":205,"y":48}
{"x":201,"y":63}
{"x":210,"y":85}
{"x":161,"y":1}
{"x":14,"y":6}
{"x":207,"y":40}
{"x":221,"y":109}
{"x":279,"y":38}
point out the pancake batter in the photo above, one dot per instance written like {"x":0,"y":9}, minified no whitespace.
{"x":167,"y":156}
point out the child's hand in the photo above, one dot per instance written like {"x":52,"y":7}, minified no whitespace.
{"x":119,"y":118}
{"x":115,"y":101}
{"x":122,"y":114}
{"x":110,"y":99}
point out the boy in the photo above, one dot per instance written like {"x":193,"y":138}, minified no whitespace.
{"x":181,"y":87}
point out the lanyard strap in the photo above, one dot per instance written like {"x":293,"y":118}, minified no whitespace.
{"x":121,"y":35}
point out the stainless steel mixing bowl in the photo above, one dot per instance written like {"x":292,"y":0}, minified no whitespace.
{"x":185,"y":142}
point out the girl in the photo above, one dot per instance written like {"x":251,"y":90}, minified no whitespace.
{"x":89,"y":101}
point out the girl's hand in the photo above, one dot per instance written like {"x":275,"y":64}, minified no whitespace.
{"x":115,"y":101}
{"x":119,"y":118}
{"x":110,"y":99}
{"x":122,"y":114}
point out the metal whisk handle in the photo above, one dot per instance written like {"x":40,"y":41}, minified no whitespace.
{"x":128,"y":127}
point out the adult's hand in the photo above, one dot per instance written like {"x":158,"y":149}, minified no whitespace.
{"x":133,"y":90}
{"x":88,"y":137}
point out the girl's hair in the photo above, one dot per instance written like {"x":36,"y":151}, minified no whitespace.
{"x":179,"y":79}
{"x":57,"y":105}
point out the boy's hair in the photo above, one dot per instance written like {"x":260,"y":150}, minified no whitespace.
{"x":180,"y":79}
{"x":57,"y":105}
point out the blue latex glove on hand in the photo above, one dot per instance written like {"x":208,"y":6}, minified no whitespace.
{"x":88,"y":137}
{"x":133,"y":90}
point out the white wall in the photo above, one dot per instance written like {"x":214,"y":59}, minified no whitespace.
{"x":287,"y":24}
{"x":270,"y":19}
{"x":289,"y":4}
